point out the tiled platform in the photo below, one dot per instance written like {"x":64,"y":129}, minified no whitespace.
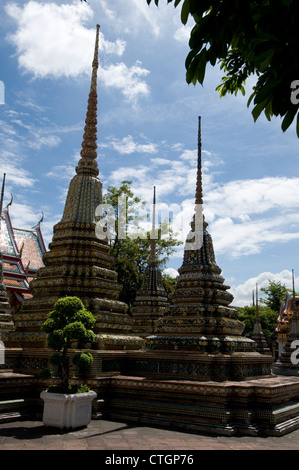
{"x":107,"y":436}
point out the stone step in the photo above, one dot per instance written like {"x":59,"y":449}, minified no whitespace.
{"x":10,"y":410}
{"x":18,"y":408}
{"x":9,"y":417}
{"x":5,"y":317}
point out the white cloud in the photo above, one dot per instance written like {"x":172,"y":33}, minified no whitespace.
{"x":11,"y":157}
{"x":52,"y":41}
{"x":62,"y":172}
{"x":127,"y":79}
{"x":136,"y":19}
{"x":23,"y":215}
{"x":126,"y":173}
{"x":243,"y":292}
{"x":244,"y":216}
{"x":147,"y":14}
{"x":250,"y":237}
{"x":190,"y":156}
{"x":182,"y":34}
{"x":171,"y":272}
{"x":160,"y":161}
{"x":16,"y":175}
{"x":128,"y":145}
{"x":47,"y":140}
{"x":41,"y":137}
{"x":254,"y":196}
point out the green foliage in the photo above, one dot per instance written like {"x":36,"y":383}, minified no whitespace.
{"x":69,"y":389}
{"x":55,"y":359}
{"x":45,"y":374}
{"x":169,"y":283}
{"x":82,"y":388}
{"x":69,"y":321}
{"x":83,"y":360}
{"x":276,"y":292}
{"x":247,"y":316}
{"x":248,"y":38}
{"x":131,"y":254}
{"x":267,"y":317}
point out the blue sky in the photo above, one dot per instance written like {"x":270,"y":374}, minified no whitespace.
{"x":147,"y":131}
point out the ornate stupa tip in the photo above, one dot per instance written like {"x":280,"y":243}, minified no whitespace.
{"x":153,"y":256}
{"x":198,"y":192}
{"x":88,"y":163}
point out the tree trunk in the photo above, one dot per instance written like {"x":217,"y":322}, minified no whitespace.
{"x":65,"y":369}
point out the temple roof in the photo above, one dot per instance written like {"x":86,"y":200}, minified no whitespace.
{"x":31,"y":246}
{"x":286,"y":314}
{"x":22,"y":252}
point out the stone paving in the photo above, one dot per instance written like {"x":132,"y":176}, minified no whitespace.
{"x":102,"y":435}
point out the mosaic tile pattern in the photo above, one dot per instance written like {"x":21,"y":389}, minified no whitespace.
{"x":77,"y":263}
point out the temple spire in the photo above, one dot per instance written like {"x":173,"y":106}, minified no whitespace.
{"x":151,"y":301}
{"x":198,"y":223}
{"x":88,"y":164}
{"x":198,"y":194}
{"x":2,"y":194}
{"x":153,"y":257}
{"x":257,"y":313}
{"x":257,"y":333}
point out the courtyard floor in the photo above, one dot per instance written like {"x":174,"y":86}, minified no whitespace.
{"x":102,"y":435}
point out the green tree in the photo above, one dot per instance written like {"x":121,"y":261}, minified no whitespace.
{"x":69,"y":321}
{"x":268,"y":318}
{"x":275,"y":292}
{"x":169,"y":283}
{"x":131,"y":253}
{"x":247,"y":38}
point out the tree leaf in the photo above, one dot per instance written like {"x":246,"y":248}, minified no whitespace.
{"x":257,"y":110}
{"x":201,"y":68}
{"x":288,"y":119}
{"x":249,"y":37}
{"x":185,"y":11}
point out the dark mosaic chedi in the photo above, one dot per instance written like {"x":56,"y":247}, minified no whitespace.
{"x":151,"y":300}
{"x":78,"y":262}
{"x":200,"y":317}
{"x":200,"y":336}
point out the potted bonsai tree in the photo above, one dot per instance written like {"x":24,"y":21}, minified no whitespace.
{"x":67,"y":406}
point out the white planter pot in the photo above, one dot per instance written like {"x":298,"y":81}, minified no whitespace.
{"x":67,"y":410}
